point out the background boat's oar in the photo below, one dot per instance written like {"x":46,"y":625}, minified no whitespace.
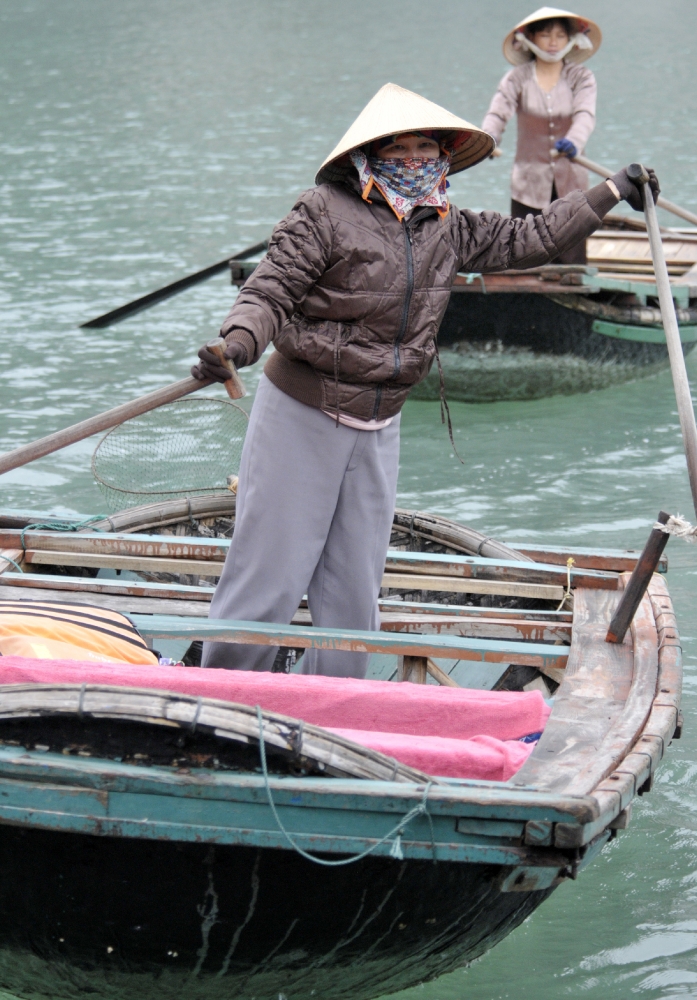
{"x":670,"y":206}
{"x":686,"y":413}
{"x":166,"y":292}
{"x":110,"y":418}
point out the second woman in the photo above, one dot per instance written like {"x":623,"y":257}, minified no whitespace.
{"x":554,"y":100}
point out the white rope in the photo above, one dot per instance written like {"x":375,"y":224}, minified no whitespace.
{"x":680,"y":527}
{"x":578,"y":41}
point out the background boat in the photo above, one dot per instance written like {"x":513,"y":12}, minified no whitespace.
{"x":561,"y":329}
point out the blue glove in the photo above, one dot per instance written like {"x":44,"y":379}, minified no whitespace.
{"x":565,"y":147}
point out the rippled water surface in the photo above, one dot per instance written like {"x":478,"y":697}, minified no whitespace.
{"x":141,"y":140}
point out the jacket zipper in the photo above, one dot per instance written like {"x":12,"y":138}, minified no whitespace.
{"x":405,"y":315}
{"x":407,"y":300}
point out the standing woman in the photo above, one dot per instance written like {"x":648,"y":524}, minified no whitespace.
{"x":352,"y":292}
{"x":554,"y":99}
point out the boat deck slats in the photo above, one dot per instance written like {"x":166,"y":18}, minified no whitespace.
{"x":93,"y":587}
{"x":303,"y":637}
{"x":180,"y":554}
{"x":425,"y":623}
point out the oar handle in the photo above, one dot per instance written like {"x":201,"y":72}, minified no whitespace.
{"x":93,"y":425}
{"x":637,"y":173}
{"x":234,"y":385}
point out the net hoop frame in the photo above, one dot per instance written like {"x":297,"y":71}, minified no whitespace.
{"x":182,"y":491}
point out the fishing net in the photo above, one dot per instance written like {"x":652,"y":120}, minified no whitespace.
{"x":186,"y":448}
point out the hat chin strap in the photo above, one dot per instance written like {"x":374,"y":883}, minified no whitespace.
{"x":578,"y":41}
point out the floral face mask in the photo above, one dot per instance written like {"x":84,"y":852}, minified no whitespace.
{"x":405,"y":184}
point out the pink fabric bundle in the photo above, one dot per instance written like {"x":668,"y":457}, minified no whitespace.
{"x":444,"y":731}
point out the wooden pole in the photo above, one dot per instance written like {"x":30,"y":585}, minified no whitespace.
{"x":173,"y":288}
{"x":110,"y":418}
{"x":670,"y":206}
{"x":683,"y":395}
{"x":638,"y":582}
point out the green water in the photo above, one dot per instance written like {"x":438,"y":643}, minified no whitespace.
{"x":141,"y":140}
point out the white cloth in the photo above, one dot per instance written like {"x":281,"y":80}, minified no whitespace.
{"x":360,"y":425}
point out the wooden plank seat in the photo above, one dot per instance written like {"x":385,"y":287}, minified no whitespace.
{"x":537,"y":655}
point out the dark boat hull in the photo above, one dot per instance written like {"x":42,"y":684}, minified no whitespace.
{"x":122,"y":918}
{"x":512,"y":346}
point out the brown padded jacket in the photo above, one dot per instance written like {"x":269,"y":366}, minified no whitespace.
{"x":352,"y":298}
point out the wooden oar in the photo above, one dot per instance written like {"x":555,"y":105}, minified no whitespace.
{"x":596,"y":168}
{"x":167,"y":291}
{"x":110,"y":418}
{"x":686,"y":412}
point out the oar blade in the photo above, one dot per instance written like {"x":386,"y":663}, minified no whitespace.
{"x":167,"y":291}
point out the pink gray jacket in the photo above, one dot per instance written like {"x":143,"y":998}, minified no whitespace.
{"x":568,"y":111}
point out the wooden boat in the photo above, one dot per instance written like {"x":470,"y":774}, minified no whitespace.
{"x":562,"y":329}
{"x":140,"y":854}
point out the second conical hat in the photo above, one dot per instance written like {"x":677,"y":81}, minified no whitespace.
{"x":581,"y":26}
{"x":394,"y":111}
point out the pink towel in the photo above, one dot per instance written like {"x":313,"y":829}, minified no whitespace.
{"x":378,"y":709}
{"x":482,"y":757}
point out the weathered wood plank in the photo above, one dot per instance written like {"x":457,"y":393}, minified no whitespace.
{"x":127,"y":605}
{"x":412,"y":669}
{"x":635,"y":770}
{"x":609,"y":560}
{"x":426,"y":624}
{"x":117,"y":586}
{"x":393,"y":581}
{"x":471,"y":611}
{"x":537,"y":625}
{"x":16,"y":555}
{"x":440,"y":675}
{"x":492,"y":628}
{"x":269,"y":634}
{"x":458,"y":585}
{"x":475,"y":567}
{"x":187,"y":549}
{"x":136,"y":564}
{"x":639,"y":580}
{"x":627,"y":726}
{"x":596,"y":685}
{"x":151,"y":546}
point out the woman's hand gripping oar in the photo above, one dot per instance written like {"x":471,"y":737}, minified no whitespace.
{"x":110,"y":418}
{"x":638,"y":174}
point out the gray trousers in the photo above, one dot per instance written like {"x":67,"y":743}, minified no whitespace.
{"x":315,"y":504}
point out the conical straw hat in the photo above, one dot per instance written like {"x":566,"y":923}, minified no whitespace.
{"x":582,"y":26}
{"x":395,"y":110}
